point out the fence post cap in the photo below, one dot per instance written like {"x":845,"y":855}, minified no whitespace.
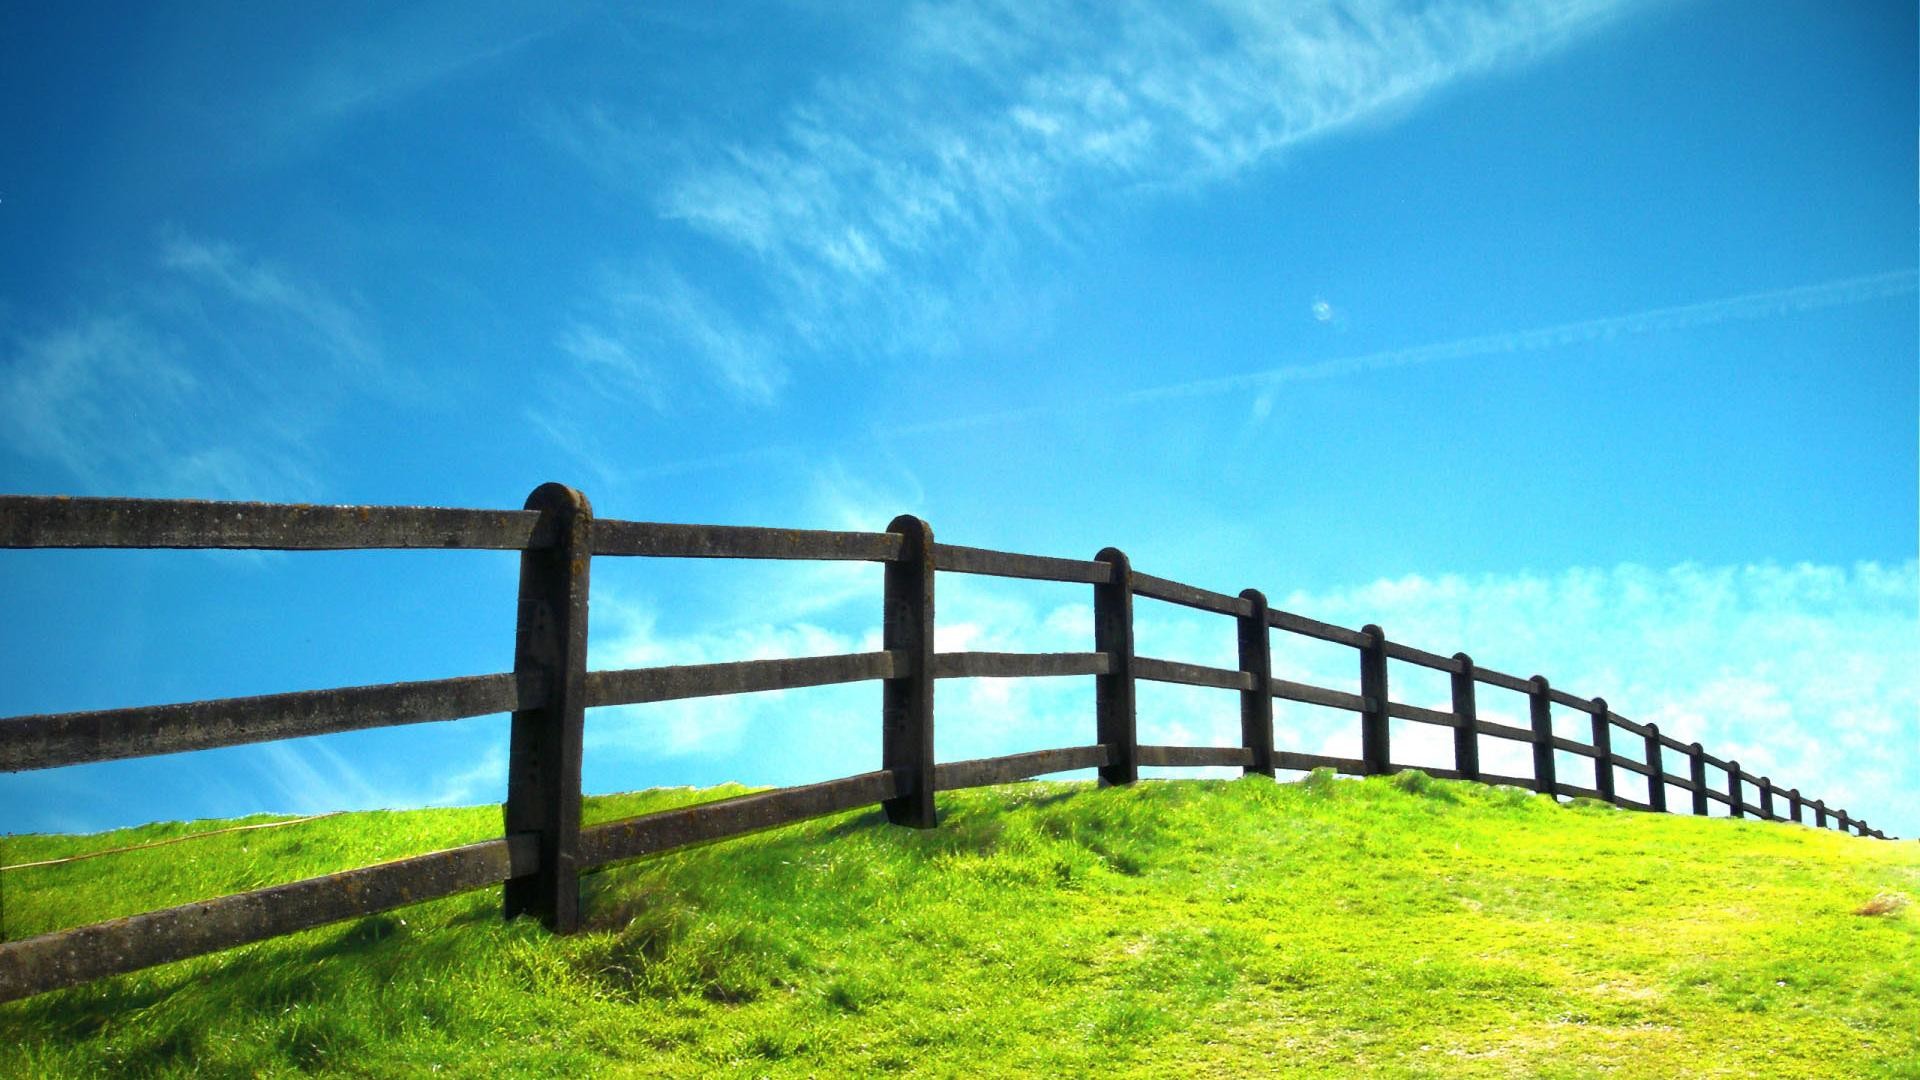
{"x":1539,"y":682}
{"x":1254,"y":595}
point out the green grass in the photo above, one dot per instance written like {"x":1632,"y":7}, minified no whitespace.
{"x":1405,"y":927}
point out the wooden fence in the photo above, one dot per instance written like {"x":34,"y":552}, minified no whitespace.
{"x":544,"y":849}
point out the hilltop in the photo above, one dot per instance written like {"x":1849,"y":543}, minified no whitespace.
{"x":1399,"y":927}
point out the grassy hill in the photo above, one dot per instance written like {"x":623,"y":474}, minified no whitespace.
{"x":1394,"y":927}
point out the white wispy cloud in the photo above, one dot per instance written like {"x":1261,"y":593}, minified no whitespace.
{"x":885,"y":202}
{"x":212,"y":380}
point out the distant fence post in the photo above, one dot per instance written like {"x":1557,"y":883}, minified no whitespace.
{"x":1766,"y":799}
{"x":1466,"y":721}
{"x":1602,"y":750}
{"x":1734,"y":790}
{"x":1540,"y":716}
{"x":1845,"y":822}
{"x":1697,"y":772}
{"x":1820,"y":813}
{"x":1113,"y":635}
{"x":1256,"y":702}
{"x":1794,"y":808}
{"x":906,"y":726}
{"x":1657,"y":772}
{"x":543,"y":766}
{"x":1375,"y":753}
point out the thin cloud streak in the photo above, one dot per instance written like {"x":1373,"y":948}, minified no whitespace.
{"x":1743,"y":308}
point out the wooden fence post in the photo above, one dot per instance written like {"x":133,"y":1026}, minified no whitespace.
{"x":1466,"y":720}
{"x":543,"y":766}
{"x":1845,"y":822}
{"x":1657,"y":782}
{"x":1256,"y":703}
{"x":1113,"y":635}
{"x":1794,"y":808}
{"x":1819,"y":813}
{"x":1375,"y":753}
{"x":1733,"y":789}
{"x":1697,"y":772}
{"x":1602,"y":751}
{"x":1766,"y":799}
{"x":906,"y":726}
{"x":1540,"y":716}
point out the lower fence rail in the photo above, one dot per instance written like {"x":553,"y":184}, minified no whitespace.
{"x":66,"y":958}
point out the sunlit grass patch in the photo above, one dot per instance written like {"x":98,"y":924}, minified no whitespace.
{"x":1406,"y":926}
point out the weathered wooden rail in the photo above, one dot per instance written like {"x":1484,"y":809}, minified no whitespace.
{"x":544,"y":847}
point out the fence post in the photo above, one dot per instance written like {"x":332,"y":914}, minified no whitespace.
{"x":1540,"y":714}
{"x":543,"y":766}
{"x":1113,"y":692}
{"x":1657,"y":781}
{"x":1766,"y":799}
{"x":906,"y":725}
{"x":1375,"y":753}
{"x":1819,"y":813}
{"x":1466,"y":721}
{"x":1845,"y":822}
{"x":1697,"y":772}
{"x":1256,"y":703}
{"x":1602,"y":750}
{"x":1793,"y":805}
{"x":1733,"y":789}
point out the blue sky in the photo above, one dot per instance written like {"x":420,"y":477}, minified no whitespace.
{"x":1581,"y":336}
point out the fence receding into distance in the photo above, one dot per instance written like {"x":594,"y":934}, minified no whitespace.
{"x":544,"y":847}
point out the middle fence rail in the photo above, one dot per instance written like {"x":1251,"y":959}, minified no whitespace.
{"x":544,"y":848}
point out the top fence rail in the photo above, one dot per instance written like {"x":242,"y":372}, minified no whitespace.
{"x":51,"y":521}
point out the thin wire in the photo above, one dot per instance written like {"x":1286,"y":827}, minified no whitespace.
{"x":170,"y":840}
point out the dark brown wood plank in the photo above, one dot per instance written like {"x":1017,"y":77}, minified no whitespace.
{"x":1115,"y":702}
{"x":629,"y":686}
{"x":1561,"y":742}
{"x":1316,"y":695}
{"x":1680,"y":782}
{"x":1174,"y":671}
{"x":1438,"y":772}
{"x":1174,"y":592}
{"x":1576,"y":791}
{"x":1314,"y":628}
{"x":545,"y":744}
{"x":1170,"y":756}
{"x":55,"y":739}
{"x":1419,"y":715}
{"x":39,"y":521}
{"x":906,"y":700}
{"x":1376,"y":748}
{"x":1510,"y":781}
{"x":1288,"y":759}
{"x":1000,"y":665}
{"x":1466,"y":713}
{"x":1631,"y":765}
{"x":668,"y":829}
{"x":1397,"y":651}
{"x":1561,"y":697}
{"x":662,"y":540}
{"x":1502,"y":680}
{"x":1718,"y":796}
{"x":71,"y":957}
{"x":1627,"y":725}
{"x":1254,"y":639}
{"x":1009,"y":564}
{"x":981,"y":772}
{"x":1504,"y":731}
